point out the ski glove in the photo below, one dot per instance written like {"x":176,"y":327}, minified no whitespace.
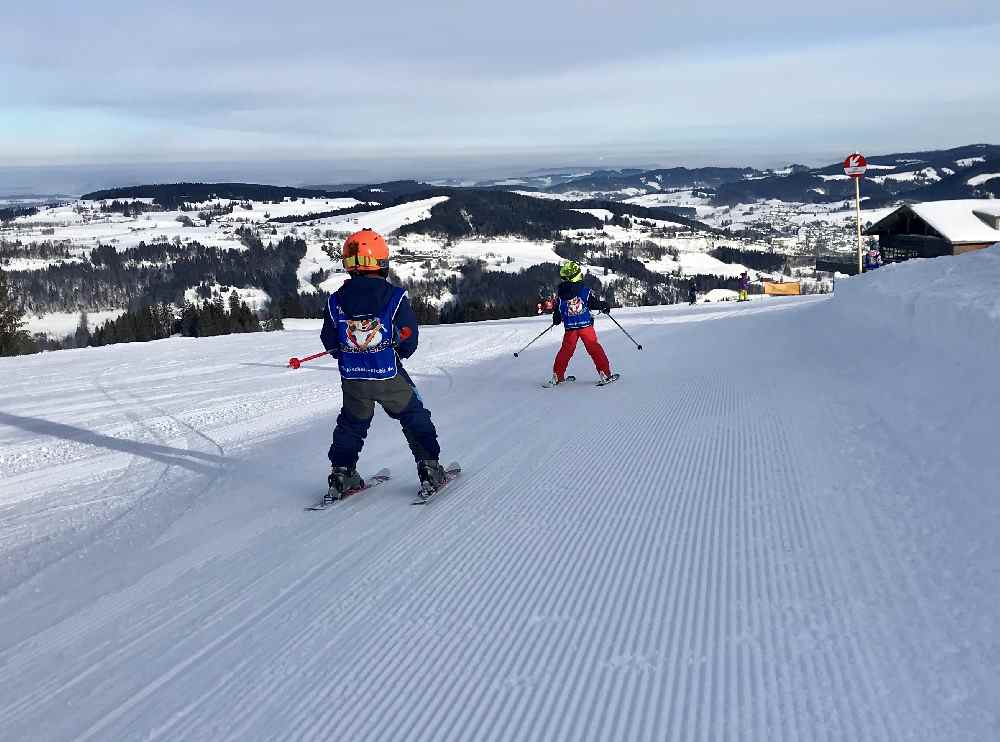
{"x":401,"y":334}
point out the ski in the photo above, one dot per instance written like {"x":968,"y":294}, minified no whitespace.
{"x":550,"y":384}
{"x":425,"y":496}
{"x":373,"y":481}
{"x":610,"y":379}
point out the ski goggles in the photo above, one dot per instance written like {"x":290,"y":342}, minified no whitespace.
{"x":364,"y":262}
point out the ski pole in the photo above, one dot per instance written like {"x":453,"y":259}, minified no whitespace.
{"x":296,"y":362}
{"x":637,"y":346}
{"x":535,"y":338}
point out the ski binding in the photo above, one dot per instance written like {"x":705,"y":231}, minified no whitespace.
{"x":329,"y":499}
{"x":550,"y":384}
{"x":426,"y":493}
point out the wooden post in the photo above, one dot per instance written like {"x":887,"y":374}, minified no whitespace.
{"x":857,"y":192}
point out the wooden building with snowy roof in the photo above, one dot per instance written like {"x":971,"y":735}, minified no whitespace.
{"x":936,"y":228}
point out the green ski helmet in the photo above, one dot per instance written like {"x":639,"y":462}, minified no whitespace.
{"x":571,"y":271}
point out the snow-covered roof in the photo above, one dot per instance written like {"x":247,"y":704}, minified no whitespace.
{"x":957,"y":221}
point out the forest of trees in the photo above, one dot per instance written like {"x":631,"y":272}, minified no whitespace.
{"x":314,"y":216}
{"x":127,"y":208}
{"x":150,"y":322}
{"x":171,"y":196}
{"x":156,"y":272}
{"x":41,"y":250}
{"x":152,"y":276}
{"x":497,"y":214}
{"x":11,"y":213}
{"x":468,"y":212}
{"x":680,"y":215}
{"x":13,"y":340}
{"x":769,"y":262}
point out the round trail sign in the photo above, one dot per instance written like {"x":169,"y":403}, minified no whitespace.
{"x":855,"y":165}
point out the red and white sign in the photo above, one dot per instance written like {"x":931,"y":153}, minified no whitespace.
{"x":855,"y":165}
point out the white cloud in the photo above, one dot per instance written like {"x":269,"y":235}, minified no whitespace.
{"x":317,"y":80}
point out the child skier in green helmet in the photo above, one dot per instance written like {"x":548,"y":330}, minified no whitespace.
{"x":576,"y":302}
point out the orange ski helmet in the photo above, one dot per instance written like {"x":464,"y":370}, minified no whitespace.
{"x":365,"y":251}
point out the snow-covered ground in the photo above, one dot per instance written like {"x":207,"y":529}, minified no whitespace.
{"x":717,"y":295}
{"x":978,"y":180}
{"x":262,"y":211}
{"x":34,"y":264}
{"x":81,"y":225}
{"x":574,"y":196}
{"x":969,"y":161}
{"x":496,"y":252}
{"x":254,"y":298}
{"x":385,"y":221}
{"x":781,"y":524}
{"x":927,"y":174}
{"x":60,"y":324}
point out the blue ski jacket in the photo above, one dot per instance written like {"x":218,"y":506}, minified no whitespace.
{"x":366,"y":296}
{"x":567,"y":290}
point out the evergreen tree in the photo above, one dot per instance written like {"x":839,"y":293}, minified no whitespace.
{"x":82,"y":336}
{"x":291,"y":306}
{"x":209,"y":320}
{"x":273,"y":319}
{"x":249,"y":319}
{"x":235,"y":316}
{"x":190,"y":321}
{"x":164,"y":320}
{"x":13,"y":341}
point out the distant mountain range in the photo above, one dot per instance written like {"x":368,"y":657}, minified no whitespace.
{"x":962,"y":172}
{"x":972,"y":171}
{"x":480,"y":211}
{"x":912,"y":176}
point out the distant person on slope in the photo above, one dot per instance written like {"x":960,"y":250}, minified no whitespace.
{"x":369,"y":327}
{"x":692,"y":292}
{"x":576,"y":302}
{"x":873,"y":259}
{"x":744,"y":286}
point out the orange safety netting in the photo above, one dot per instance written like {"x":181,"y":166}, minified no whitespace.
{"x":783,"y":289}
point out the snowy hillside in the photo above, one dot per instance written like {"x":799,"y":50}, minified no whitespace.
{"x":781,"y":524}
{"x":196,"y":249}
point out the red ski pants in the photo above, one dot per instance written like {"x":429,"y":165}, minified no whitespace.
{"x":589,"y":337}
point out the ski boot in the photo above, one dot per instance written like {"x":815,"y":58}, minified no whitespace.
{"x":343,"y":480}
{"x":606,"y":379}
{"x":554,"y":381}
{"x":432,"y":475}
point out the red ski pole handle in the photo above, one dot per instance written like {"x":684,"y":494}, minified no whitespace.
{"x":296,"y":362}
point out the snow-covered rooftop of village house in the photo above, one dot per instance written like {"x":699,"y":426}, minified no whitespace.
{"x":957,"y":221}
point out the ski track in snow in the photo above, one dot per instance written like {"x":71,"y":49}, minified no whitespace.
{"x":710,"y":549}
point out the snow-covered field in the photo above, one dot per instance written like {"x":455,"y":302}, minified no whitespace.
{"x":255,"y":299}
{"x":781,"y":524}
{"x":81,"y":226}
{"x":261,"y":211}
{"x":384,"y":221}
{"x":979,"y":180}
{"x":61,"y":324}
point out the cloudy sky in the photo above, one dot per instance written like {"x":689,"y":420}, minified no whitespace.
{"x":543,"y":82}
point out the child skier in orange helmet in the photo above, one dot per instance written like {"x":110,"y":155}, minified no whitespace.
{"x":370,"y":327}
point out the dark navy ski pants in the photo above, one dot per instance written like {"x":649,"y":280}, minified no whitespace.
{"x":399,"y":399}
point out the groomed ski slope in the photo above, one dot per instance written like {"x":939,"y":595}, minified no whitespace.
{"x":781,"y":524}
